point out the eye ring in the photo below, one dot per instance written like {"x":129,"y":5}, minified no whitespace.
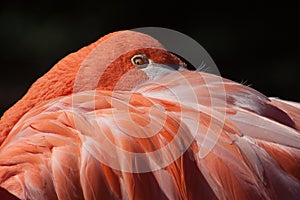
{"x":139,"y":60}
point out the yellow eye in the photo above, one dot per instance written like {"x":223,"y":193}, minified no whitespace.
{"x":139,"y":59}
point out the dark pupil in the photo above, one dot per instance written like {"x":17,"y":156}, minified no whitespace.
{"x":138,"y":61}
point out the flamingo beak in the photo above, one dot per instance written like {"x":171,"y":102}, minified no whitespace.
{"x":153,"y":69}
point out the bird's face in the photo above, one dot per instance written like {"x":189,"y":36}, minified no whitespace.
{"x":124,"y":60}
{"x":137,"y":66}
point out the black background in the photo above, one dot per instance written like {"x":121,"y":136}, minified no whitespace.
{"x":256,"y":43}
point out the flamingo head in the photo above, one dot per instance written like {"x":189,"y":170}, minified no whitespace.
{"x":122,"y":60}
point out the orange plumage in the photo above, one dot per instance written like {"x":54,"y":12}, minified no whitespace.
{"x":96,"y":126}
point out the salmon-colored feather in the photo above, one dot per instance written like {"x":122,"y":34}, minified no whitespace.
{"x":182,"y":135}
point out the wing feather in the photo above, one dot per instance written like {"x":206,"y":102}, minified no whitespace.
{"x":192,"y":135}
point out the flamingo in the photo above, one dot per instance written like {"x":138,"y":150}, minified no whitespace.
{"x":123,"y":119}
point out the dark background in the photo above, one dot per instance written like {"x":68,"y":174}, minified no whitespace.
{"x":256,"y":43}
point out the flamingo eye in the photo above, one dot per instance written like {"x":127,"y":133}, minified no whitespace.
{"x":139,"y":59}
